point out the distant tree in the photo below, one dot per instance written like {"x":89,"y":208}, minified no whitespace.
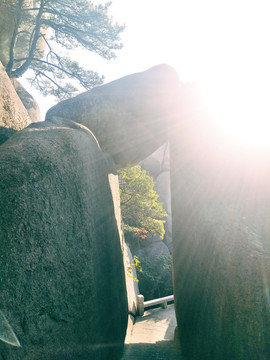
{"x":141,"y":211}
{"x":61,"y":25}
{"x":154,"y":276}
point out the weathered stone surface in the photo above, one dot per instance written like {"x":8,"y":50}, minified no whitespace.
{"x":62,"y":280}
{"x":13,"y":115}
{"x":130,"y":270}
{"x":163,"y":188}
{"x":28,"y":101}
{"x":131,"y":281}
{"x":221,"y":211}
{"x":129,"y":116}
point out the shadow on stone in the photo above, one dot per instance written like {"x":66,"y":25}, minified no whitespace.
{"x":5,"y":134}
{"x":166,"y":350}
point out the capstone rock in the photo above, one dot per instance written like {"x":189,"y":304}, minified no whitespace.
{"x":128,"y":116}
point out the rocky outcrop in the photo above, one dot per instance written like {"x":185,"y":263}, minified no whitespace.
{"x":13,"y":115}
{"x":62,"y":277}
{"x":129,"y":116}
{"x":221,"y":251}
{"x":63,"y":289}
{"x":130,"y":270}
{"x":28,"y":101}
{"x":62,"y":286}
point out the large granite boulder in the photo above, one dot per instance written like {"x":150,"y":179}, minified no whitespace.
{"x":128,"y":116}
{"x":28,"y":101}
{"x":163,"y":188}
{"x":221,"y":232}
{"x":62,"y":284}
{"x":13,"y":115}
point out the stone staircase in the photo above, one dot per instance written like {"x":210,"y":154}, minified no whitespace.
{"x":152,"y":336}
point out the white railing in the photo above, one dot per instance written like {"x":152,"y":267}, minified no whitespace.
{"x":141,"y":304}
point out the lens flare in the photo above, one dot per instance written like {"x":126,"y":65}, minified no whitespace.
{"x":241,"y":110}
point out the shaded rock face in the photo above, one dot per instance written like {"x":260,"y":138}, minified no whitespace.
{"x":129,"y":268}
{"x":13,"y":115}
{"x":131,"y":281}
{"x":129,"y":116}
{"x":62,"y":279}
{"x":221,"y":250}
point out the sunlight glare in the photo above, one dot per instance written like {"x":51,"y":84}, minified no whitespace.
{"x":241,"y":110}
{"x":237,"y":77}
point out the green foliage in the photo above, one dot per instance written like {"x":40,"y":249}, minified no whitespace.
{"x":141,"y":211}
{"x":136,"y":237}
{"x":72,"y":24}
{"x":155,"y":278}
{"x":136,"y":265}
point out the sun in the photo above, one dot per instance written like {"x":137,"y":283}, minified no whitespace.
{"x":226,"y":48}
{"x":241,"y":110}
{"x":236,"y":83}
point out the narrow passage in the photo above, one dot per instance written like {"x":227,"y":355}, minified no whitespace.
{"x":152,"y":336}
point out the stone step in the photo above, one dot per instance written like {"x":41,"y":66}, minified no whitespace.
{"x":152,"y":336}
{"x":161,"y":350}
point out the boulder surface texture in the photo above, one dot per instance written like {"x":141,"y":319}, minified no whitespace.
{"x":221,"y":246}
{"x":128,"y":116}
{"x":13,"y":114}
{"x":62,"y":280}
{"x":62,"y":286}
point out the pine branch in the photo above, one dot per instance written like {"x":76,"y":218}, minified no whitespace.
{"x":13,"y":39}
{"x":36,"y":35}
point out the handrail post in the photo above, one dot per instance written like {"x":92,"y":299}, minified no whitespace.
{"x":164,"y":305}
{"x":140,"y":305}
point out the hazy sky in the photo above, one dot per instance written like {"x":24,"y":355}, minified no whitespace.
{"x":224,"y":45}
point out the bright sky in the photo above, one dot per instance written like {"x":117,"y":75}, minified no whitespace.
{"x":223,"y":45}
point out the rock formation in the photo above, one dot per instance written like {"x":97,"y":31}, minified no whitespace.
{"x":128,"y":116}
{"x":28,"y":101}
{"x":13,"y":115}
{"x":221,"y":250}
{"x":130,"y":270}
{"x":62,"y":287}
{"x":18,"y":108}
{"x":63,"y":284}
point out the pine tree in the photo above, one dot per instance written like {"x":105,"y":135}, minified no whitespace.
{"x":61,"y":25}
{"x":139,"y":203}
